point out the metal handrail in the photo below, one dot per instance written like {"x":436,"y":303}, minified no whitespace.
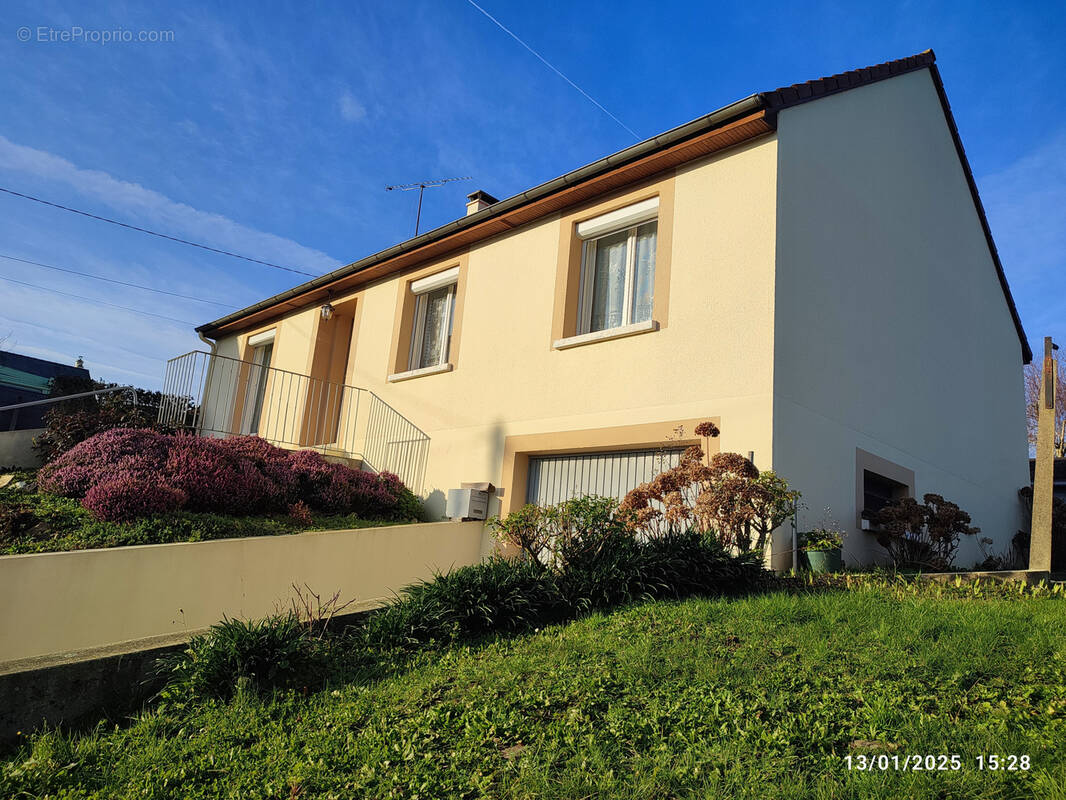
{"x":217,"y":395}
{"x":61,"y":398}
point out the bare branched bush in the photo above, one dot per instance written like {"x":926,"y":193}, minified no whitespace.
{"x":728,"y":497}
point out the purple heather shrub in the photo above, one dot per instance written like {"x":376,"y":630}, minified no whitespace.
{"x":104,"y":457}
{"x":130,"y":497}
{"x":122,"y":474}
{"x":376,"y":493}
{"x":271,"y":461}
{"x":216,"y":478}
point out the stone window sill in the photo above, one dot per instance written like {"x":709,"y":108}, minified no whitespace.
{"x":396,"y":377}
{"x":609,"y":333}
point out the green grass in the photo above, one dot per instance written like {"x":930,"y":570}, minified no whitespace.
{"x":760,"y":697}
{"x":48,"y":523}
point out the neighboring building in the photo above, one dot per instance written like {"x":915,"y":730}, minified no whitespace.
{"x":1058,"y":477}
{"x":24,"y":379}
{"x":810,"y":268}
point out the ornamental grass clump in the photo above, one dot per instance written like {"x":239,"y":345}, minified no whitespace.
{"x":252,"y":656}
{"x":125,"y":474}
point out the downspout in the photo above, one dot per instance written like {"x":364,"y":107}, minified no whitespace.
{"x":213,"y":345}
{"x":199,"y":421}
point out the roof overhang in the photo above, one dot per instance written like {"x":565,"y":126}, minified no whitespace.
{"x":738,"y":122}
{"x":725,"y":128}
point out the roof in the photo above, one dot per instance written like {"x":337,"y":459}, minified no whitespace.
{"x":745,"y":119}
{"x":33,"y":374}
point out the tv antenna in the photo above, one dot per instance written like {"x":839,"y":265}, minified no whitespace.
{"x":421,"y":186}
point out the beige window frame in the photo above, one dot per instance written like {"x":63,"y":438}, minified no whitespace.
{"x":632,"y":219}
{"x":569,"y":325}
{"x":517,"y":450}
{"x":418,"y":331}
{"x":409,"y":326}
{"x":868,"y":462}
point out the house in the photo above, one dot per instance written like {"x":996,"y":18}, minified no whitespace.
{"x":24,"y":379}
{"x":810,"y":268}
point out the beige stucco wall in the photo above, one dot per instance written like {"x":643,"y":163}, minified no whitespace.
{"x":891,"y":331}
{"x":57,"y":602}
{"x":712,"y":359}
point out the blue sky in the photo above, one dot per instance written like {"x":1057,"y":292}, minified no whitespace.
{"x":271,"y":130}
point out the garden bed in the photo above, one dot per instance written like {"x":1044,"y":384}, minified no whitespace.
{"x":36,"y":522}
{"x":767,"y":696}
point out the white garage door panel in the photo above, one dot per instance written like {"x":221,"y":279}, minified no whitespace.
{"x":553,"y":479}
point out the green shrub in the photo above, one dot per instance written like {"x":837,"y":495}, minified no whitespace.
{"x":496,"y":596}
{"x":587,"y":559}
{"x":821,"y":540}
{"x":238,"y":655}
{"x":408,"y":507}
{"x":690,"y":563}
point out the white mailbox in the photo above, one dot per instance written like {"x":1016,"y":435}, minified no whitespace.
{"x":467,"y":504}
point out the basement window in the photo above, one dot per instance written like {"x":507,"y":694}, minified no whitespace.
{"x":878,"y":491}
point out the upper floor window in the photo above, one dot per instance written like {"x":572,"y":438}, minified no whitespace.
{"x":618,"y":267}
{"x":433,"y":319}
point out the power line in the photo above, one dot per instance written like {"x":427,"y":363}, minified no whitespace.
{"x":155,"y":233}
{"x":553,"y":68}
{"x":91,"y":300}
{"x":120,"y":283}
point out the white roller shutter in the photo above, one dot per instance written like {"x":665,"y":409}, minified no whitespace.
{"x":553,"y":479}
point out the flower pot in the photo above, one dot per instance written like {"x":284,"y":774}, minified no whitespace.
{"x":825,"y":560}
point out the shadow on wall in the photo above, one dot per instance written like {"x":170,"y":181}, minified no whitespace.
{"x":434,"y":504}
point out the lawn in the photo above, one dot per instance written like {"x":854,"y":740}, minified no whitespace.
{"x":759,"y":697}
{"x":35,"y":522}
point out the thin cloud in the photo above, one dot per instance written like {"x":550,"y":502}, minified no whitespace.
{"x":1024,"y":204}
{"x":351,"y":109}
{"x":145,"y":204}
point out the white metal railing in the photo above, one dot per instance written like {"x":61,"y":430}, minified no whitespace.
{"x":217,"y":395}
{"x":12,"y":423}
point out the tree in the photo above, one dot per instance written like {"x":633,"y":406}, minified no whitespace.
{"x":1033,"y":388}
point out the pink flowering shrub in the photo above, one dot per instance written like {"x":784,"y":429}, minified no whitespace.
{"x":105,"y":455}
{"x":130,"y":497}
{"x":216,"y":478}
{"x":123,"y":474}
{"x":335,"y":487}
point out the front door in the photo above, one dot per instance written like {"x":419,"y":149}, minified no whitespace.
{"x":255,"y":393}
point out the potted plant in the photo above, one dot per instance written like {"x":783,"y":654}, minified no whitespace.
{"x":823,"y":550}
{"x":823,"y":546}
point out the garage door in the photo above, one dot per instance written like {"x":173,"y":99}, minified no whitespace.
{"x":553,"y":479}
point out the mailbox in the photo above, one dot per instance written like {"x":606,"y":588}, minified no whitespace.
{"x":467,"y":504}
